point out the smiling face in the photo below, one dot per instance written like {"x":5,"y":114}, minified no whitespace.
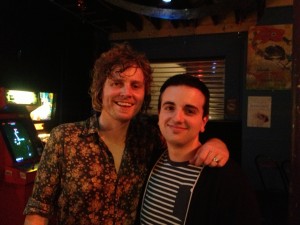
{"x":123,"y":95}
{"x":181,"y":115}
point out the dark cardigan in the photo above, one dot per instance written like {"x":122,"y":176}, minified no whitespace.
{"x":223,"y":196}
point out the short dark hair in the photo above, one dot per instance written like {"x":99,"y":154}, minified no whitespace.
{"x":190,"y":81}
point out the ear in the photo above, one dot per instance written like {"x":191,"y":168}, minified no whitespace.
{"x":204,"y":121}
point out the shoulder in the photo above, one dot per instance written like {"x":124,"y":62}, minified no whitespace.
{"x":233,"y":170}
{"x":72,"y":129}
{"x":68,"y":128}
{"x":145,"y":125}
{"x":230,"y":175}
{"x":144,"y":138}
{"x":145,"y":119}
{"x":230,"y":166}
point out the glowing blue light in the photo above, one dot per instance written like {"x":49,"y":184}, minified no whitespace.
{"x":166,"y":1}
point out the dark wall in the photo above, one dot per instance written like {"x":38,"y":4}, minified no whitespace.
{"x":275,"y":141}
{"x":44,"y":48}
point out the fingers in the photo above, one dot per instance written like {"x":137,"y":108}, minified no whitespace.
{"x":212,"y":159}
{"x":219,"y":151}
{"x":204,"y":156}
{"x":222,"y":162}
{"x":209,"y":159}
{"x":212,"y":149}
{"x":199,"y":158}
{"x":216,"y":160}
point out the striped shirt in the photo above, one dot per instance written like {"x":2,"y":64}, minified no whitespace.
{"x":168,"y":192}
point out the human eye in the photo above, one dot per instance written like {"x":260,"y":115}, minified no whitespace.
{"x":116,"y":83}
{"x":137,"y":85}
{"x":169,"y":107}
{"x":191,"y":111}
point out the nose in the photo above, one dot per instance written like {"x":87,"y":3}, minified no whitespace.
{"x":178,"y":115}
{"x":126,"y":90}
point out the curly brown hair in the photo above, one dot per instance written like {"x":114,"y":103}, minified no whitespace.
{"x":121,"y":56}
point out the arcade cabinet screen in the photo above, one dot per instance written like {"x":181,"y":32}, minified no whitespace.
{"x":45,"y":111}
{"x":18,"y":141}
{"x":21,"y":97}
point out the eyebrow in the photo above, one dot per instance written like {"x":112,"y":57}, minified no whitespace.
{"x":124,"y":79}
{"x":187,"y":105}
{"x":168,"y":103}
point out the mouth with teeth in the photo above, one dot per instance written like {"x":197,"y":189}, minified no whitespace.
{"x":124,"y":104}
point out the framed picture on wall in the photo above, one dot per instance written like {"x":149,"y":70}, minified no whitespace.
{"x":259,"y":111}
{"x":269,"y":60}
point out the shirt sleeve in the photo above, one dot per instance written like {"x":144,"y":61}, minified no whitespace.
{"x":47,"y":181}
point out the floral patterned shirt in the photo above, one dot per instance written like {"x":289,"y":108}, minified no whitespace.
{"x":77,"y":180}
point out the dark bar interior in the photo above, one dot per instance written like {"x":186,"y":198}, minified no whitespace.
{"x":48,"y":48}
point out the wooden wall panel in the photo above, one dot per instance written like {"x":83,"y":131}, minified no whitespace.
{"x":294,"y":203}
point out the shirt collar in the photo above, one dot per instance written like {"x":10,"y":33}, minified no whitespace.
{"x":91,"y":126}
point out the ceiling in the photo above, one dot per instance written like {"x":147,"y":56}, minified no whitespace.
{"x":113,"y":16}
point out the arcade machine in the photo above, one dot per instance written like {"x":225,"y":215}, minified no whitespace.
{"x":43,"y":115}
{"x":20,"y":151}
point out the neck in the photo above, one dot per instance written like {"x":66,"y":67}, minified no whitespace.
{"x":182,"y":153}
{"x":113,"y":133}
{"x":113,"y":129}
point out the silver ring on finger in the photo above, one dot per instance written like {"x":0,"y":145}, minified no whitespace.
{"x":215,"y":159}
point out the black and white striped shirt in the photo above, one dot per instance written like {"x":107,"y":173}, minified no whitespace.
{"x":168,"y":192}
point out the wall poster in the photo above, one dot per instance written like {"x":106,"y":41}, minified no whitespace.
{"x":259,"y":111}
{"x":269,"y":61}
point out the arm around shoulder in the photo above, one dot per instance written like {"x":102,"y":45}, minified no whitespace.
{"x":213,"y":153}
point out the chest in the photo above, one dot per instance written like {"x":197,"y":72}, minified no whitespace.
{"x":91,"y":165}
{"x":169,"y":191}
{"x":116,"y":150}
